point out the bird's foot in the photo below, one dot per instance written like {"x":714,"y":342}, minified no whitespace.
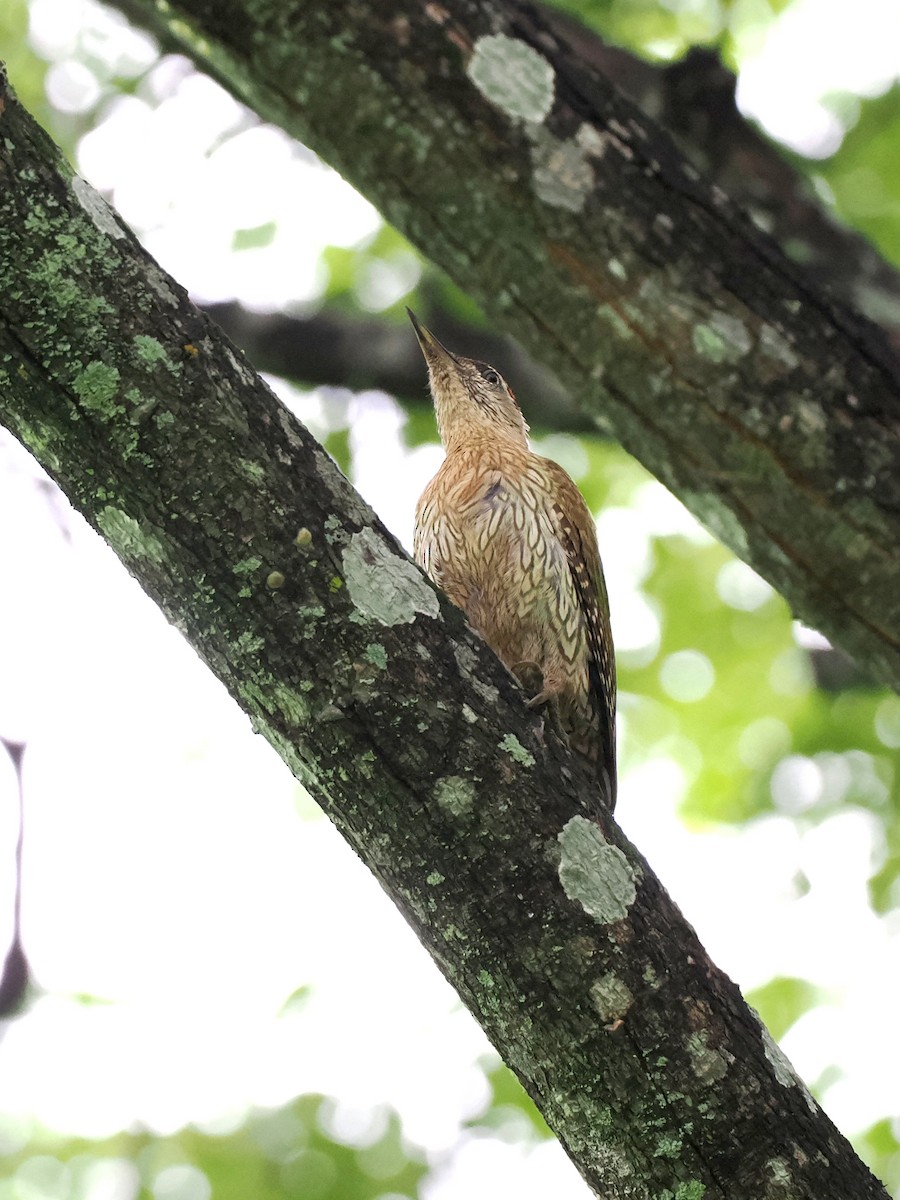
{"x":531,"y":677}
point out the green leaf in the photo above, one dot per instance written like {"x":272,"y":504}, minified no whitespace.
{"x":510,"y":1105}
{"x":863,"y":174}
{"x":879,"y":1148}
{"x":338,"y":446}
{"x":783,"y":1001}
{"x":419,"y":428}
{"x":255,"y":238}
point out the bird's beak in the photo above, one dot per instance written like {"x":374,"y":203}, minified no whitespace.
{"x":432,"y":349}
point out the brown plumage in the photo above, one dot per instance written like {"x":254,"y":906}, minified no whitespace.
{"x":507,"y":535}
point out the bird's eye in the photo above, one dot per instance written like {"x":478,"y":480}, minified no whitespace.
{"x":489,"y":375}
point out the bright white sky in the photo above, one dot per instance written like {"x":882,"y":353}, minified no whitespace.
{"x":167,"y":870}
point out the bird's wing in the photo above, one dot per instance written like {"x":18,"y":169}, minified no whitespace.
{"x":422,"y":530}
{"x":434,"y":537}
{"x":575,"y":529}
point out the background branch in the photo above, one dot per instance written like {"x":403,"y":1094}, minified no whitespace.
{"x":694,"y":100}
{"x":338,"y":349}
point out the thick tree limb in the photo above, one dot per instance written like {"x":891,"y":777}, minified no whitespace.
{"x":694,"y":99}
{"x":769,"y":410}
{"x":641,"y":1054}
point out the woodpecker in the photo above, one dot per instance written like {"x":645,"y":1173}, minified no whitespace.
{"x":507,"y":535}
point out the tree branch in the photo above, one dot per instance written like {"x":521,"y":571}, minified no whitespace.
{"x":694,"y":99}
{"x":340,"y":350}
{"x":771,"y":411}
{"x":406,"y":728}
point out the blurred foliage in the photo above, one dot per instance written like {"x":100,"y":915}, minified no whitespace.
{"x":880,"y":1148}
{"x":510,"y":1110}
{"x":667,"y":30}
{"x":273,"y":1154}
{"x":651,"y":28}
{"x":253,"y":239}
{"x":864,"y":175}
{"x":781,"y":1002}
{"x":375,"y":275}
{"x":26,"y":70}
{"x":312,"y":1148}
{"x":337,"y":443}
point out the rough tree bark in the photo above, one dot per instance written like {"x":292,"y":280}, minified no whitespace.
{"x":771,"y":411}
{"x":694,"y":99}
{"x":641,"y":1054}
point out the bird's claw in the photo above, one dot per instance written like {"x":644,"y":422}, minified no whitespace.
{"x":531,"y":677}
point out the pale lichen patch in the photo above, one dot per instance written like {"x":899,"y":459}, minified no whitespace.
{"x":251,"y":470}
{"x":384,"y":586}
{"x":811,"y":417}
{"x":240,"y":367}
{"x":563,"y":176}
{"x":512,"y":76}
{"x":97,"y":209}
{"x":468,"y":665}
{"x":516,"y":751}
{"x":776,"y":346}
{"x":709,"y":1064}
{"x":247,"y":566}
{"x":96,"y":387}
{"x":248,"y":644}
{"x":158,"y":283}
{"x":616,"y":322}
{"x":127,"y":537}
{"x":611,"y":997}
{"x":692,"y":1189}
{"x":723,"y":338}
{"x":151,"y":351}
{"x":668,"y":1146}
{"x":455,"y":795}
{"x":595,"y":873}
{"x":591,"y":140}
{"x":737,"y":336}
{"x":292,"y":704}
{"x":781,"y":1064}
{"x":709,"y":343}
{"x":778,"y":1171}
{"x":376,"y":654}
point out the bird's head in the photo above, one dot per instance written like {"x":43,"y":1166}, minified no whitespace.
{"x":471,"y":399}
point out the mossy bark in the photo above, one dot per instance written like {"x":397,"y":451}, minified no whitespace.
{"x":641,"y":1054}
{"x":768,"y":409}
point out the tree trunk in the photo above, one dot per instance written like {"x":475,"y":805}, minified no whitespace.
{"x":640,"y":1053}
{"x":769,"y":410}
